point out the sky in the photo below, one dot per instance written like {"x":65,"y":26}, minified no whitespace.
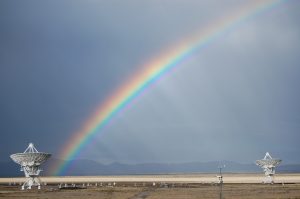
{"x":234,"y":100}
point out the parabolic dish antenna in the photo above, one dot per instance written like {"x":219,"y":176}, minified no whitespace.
{"x":268,"y":164}
{"x":30,"y":161}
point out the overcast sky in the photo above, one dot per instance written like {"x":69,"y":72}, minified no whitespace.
{"x":234,"y":100}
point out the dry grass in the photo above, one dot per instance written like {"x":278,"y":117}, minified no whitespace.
{"x":178,"y":191}
{"x":232,"y":191}
{"x":192,"y":186}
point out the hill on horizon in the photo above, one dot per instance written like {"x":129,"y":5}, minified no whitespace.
{"x":90,"y":167}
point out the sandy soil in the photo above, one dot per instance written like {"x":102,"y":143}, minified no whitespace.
{"x":191,"y":178}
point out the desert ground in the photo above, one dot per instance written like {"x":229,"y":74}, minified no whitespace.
{"x":190,"y":186}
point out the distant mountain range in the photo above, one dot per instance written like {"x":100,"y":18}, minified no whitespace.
{"x":90,"y":167}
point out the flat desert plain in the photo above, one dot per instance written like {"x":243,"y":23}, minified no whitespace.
{"x":190,"y":186}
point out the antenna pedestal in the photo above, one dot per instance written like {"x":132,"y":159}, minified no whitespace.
{"x":268,"y":180}
{"x":32,"y":176}
{"x":269,"y":174}
{"x":32,"y":181}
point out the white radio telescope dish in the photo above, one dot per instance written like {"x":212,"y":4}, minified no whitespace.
{"x":30,"y":161}
{"x":268,"y":164}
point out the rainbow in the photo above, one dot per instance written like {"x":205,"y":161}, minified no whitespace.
{"x":154,"y":71}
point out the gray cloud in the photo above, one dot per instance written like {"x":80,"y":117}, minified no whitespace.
{"x":234,"y":100}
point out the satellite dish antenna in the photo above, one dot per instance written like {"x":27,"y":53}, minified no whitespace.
{"x":30,"y":161}
{"x":268,"y":164}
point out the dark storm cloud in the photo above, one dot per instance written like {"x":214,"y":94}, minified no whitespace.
{"x":60,"y":59}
